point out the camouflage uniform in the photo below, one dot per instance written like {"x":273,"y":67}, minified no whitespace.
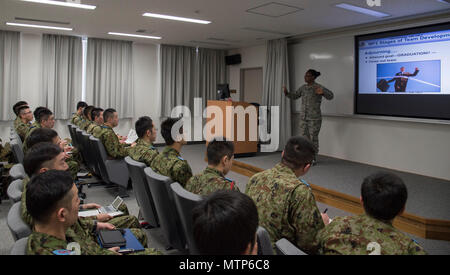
{"x":170,"y":164}
{"x":6,"y":154}
{"x":113,"y":147}
{"x":286,"y":207}
{"x":21,"y":128}
{"x":353,"y":234}
{"x":75,"y":119}
{"x":33,"y":127}
{"x":123,"y":221}
{"x":209,"y":181}
{"x":90,"y":129}
{"x":43,"y":244}
{"x":84,"y":124}
{"x":310,"y":114}
{"x":143,"y":151}
{"x":97,"y":131}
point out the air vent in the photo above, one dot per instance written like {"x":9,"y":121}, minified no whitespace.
{"x":42,"y":21}
{"x":210,"y":43}
{"x":274,"y":9}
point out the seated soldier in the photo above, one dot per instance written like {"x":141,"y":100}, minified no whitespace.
{"x":49,"y":135}
{"x":114,"y":148}
{"x":46,"y":156}
{"x":53,"y":203}
{"x":220,"y":159}
{"x":169,"y":163}
{"x":26,"y":116}
{"x":286,"y":205}
{"x":76,"y":119}
{"x":225,"y":223}
{"x":144,"y":151}
{"x":16,"y":112}
{"x":44,"y":119}
{"x":97,"y":121}
{"x":87,"y":118}
{"x":383,"y":196}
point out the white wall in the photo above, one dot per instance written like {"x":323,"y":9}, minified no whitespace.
{"x":252,"y":57}
{"x":416,"y":147}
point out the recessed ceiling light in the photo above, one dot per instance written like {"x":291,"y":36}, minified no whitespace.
{"x":170,"y":17}
{"x":134,"y":35}
{"x":362,"y":10}
{"x":65,"y":4}
{"x":38,"y":26}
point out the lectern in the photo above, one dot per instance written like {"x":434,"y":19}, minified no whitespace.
{"x":236,"y":121}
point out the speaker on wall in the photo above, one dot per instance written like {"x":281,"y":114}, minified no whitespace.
{"x":233,"y":59}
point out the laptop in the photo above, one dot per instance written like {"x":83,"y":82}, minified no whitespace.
{"x":112,"y":209}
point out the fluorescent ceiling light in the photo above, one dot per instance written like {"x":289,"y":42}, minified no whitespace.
{"x":38,"y":26}
{"x":170,"y":17}
{"x":65,"y":4}
{"x":362,"y":10}
{"x":134,"y":35}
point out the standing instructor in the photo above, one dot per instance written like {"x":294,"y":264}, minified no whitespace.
{"x":310,"y":114}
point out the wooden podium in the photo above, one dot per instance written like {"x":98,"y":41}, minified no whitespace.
{"x":249,"y":144}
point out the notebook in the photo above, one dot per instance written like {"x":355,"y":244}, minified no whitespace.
{"x":131,"y":137}
{"x":112,"y":209}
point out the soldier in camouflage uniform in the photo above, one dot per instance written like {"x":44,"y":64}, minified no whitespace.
{"x":144,"y":151}
{"x":220,"y":155}
{"x":114,"y":148}
{"x":383,"y":196}
{"x":169,"y":163}
{"x":45,"y":156}
{"x":286,"y":204}
{"x":77,"y":116}
{"x":44,"y":119}
{"x":87,"y":118}
{"x":24,"y":123}
{"x":310,"y":113}
{"x":97,"y":121}
{"x":51,"y":235}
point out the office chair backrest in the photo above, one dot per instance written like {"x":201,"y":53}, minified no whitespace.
{"x":17,"y":150}
{"x":20,"y":247}
{"x":19,"y":229}
{"x":264,"y":244}
{"x":17,"y":172}
{"x":100,"y":158}
{"x":15,"y":190}
{"x":142,"y":192}
{"x":185,"y":201}
{"x":165,"y":206}
{"x":285,"y":247}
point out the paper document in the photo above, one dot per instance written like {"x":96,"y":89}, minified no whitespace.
{"x":131,"y":137}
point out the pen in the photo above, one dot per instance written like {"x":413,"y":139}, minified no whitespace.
{"x":325,"y":211}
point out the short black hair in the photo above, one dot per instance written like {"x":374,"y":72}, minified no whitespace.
{"x":384,"y":195}
{"x":314,"y":73}
{"x":81,"y":104}
{"x":44,"y":114}
{"x":38,"y":155}
{"x":37,"y":112}
{"x":87,"y":111}
{"x":108,"y":114}
{"x":298,"y":152}
{"x":21,"y":108}
{"x":143,"y":124}
{"x":40,"y":135}
{"x":217,"y":149}
{"x":46,"y":192}
{"x":96,"y":113}
{"x":166,"y":129}
{"x":224,"y":223}
{"x":17,"y":105}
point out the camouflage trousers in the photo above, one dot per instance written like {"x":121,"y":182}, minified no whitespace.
{"x":310,"y":129}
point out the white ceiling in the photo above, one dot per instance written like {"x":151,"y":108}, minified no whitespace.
{"x":235,"y":23}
